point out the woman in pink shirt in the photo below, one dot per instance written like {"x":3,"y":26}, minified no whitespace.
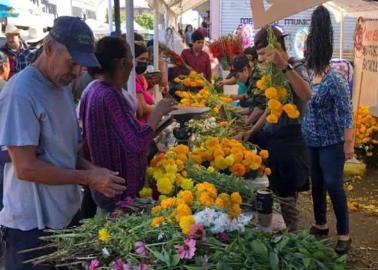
{"x":144,"y":96}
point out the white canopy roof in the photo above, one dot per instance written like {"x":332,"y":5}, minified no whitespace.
{"x":179,"y":6}
{"x":354,"y":8}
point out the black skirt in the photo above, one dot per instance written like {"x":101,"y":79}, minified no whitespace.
{"x":289,"y":161}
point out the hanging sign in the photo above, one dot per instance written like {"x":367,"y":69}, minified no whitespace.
{"x":278,"y":9}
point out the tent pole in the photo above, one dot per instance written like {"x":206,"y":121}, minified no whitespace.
{"x":156,"y":88}
{"x":130,"y":38}
{"x":342,"y":34}
{"x":110,"y":16}
{"x":156,"y":35}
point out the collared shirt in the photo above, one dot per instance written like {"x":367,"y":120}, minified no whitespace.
{"x":34,"y":112}
{"x":24,"y":58}
{"x":329,"y":112}
{"x":200,"y":63}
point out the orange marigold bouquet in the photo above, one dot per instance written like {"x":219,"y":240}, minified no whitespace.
{"x":276,"y":89}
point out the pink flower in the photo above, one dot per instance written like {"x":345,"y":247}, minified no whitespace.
{"x":94,"y":264}
{"x":118,"y":265}
{"x":197,"y":232}
{"x":140,"y":248}
{"x":187,"y":250}
{"x":142,"y":266}
{"x":125,"y":204}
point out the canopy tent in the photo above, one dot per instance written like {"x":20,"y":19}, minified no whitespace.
{"x":354,"y":8}
{"x":101,"y":28}
{"x":178,"y":7}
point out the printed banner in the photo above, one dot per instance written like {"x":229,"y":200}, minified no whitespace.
{"x":365,"y":90}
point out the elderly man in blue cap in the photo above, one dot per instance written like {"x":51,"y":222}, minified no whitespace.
{"x":38,"y":126}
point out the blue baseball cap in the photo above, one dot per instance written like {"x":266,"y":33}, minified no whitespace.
{"x":78,"y":38}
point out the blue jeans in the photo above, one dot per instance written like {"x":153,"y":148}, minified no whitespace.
{"x":326,"y":168}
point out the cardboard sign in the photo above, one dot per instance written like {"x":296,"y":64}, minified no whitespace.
{"x":365,"y":90}
{"x":279,"y":9}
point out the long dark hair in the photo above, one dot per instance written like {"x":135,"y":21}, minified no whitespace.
{"x":319,"y":44}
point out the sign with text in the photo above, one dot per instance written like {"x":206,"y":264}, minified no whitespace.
{"x":278,"y":9}
{"x":365,"y":91}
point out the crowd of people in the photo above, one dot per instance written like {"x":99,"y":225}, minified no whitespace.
{"x":49,"y":157}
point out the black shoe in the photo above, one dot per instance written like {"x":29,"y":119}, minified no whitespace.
{"x":318,"y":232}
{"x":343,"y":246}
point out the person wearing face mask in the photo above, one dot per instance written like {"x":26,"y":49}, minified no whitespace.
{"x":144,"y":96}
{"x":113,"y":136}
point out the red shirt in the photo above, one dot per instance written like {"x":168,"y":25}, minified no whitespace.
{"x":200,"y":63}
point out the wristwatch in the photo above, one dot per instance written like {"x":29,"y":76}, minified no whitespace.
{"x":288,"y":68}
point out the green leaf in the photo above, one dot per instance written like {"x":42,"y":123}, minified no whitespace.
{"x":174,"y":260}
{"x":307,"y":262}
{"x":259,"y":248}
{"x":274,"y":261}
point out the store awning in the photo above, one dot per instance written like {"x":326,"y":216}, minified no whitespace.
{"x":354,"y":8}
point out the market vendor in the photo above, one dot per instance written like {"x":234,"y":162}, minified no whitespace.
{"x":196,"y":58}
{"x":245,"y":89}
{"x":115,"y":139}
{"x":38,"y":126}
{"x":288,"y":153}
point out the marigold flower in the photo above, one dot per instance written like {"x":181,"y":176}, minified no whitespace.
{"x":236,"y":198}
{"x":168,"y":203}
{"x":186,"y":184}
{"x":186,"y":223}
{"x":274,"y":104}
{"x":155,"y":209}
{"x":272,"y":119}
{"x":157,"y":221}
{"x":186,"y":196}
{"x":267,"y":171}
{"x":271,"y":93}
{"x":264,"y":154}
{"x":182,"y":210}
{"x":104,"y":235}
{"x":238,"y":169}
{"x":165,"y":186}
{"x":145,"y":192}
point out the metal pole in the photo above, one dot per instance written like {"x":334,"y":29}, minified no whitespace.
{"x":117,"y":17}
{"x":129,"y":5}
{"x":342,"y":34}
{"x":156,"y":35}
{"x":110,"y":16}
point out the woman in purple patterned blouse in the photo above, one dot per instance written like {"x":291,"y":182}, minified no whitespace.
{"x":113,"y":137}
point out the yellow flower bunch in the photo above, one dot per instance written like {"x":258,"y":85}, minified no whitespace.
{"x":230,"y":203}
{"x":366,"y":143}
{"x":168,"y":170}
{"x":192,"y":80}
{"x":228,"y":154}
{"x":205,"y":194}
{"x":366,"y":125}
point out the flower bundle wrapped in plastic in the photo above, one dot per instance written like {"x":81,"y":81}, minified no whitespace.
{"x":275,"y":87}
